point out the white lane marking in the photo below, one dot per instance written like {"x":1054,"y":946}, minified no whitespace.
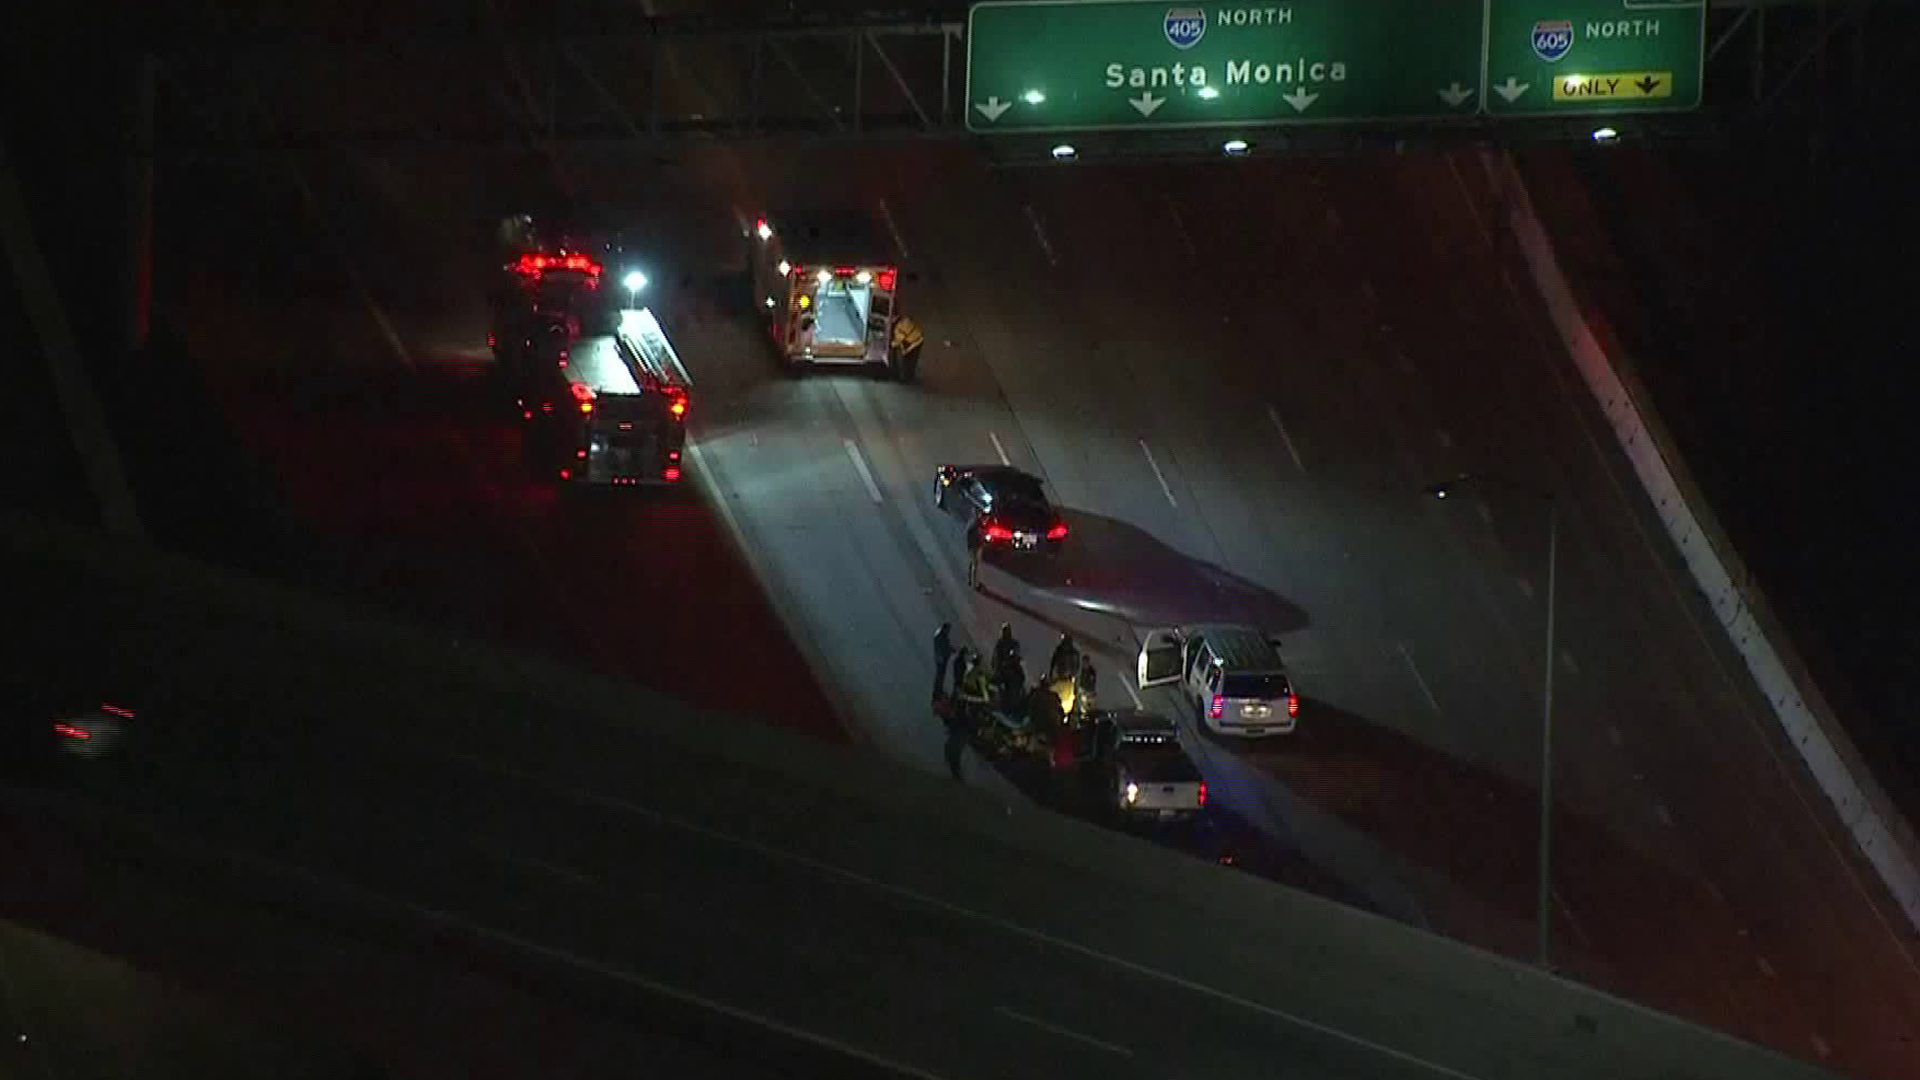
{"x":1415,"y":668}
{"x":542,"y":866}
{"x":1571,"y":921}
{"x":1273,"y":414}
{"x":1041,"y":235}
{"x":1041,"y":936}
{"x":1766,"y":968}
{"x":860,"y":463}
{"x":998,"y":449}
{"x":1065,"y":1033}
{"x":899,"y":242}
{"x":1180,"y":229}
{"x":1446,"y":440}
{"x":1157,"y":474}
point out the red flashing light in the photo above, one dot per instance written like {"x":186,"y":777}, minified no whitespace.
{"x":995,"y":532}
{"x":566,"y":474}
{"x":679,"y":407}
{"x":490,"y":341}
{"x":671,"y":472}
{"x":73,"y":732}
{"x":1219,"y":706}
{"x":116,"y":710}
{"x":1203,"y":793}
{"x":581,"y":453}
{"x":1293,"y":704}
{"x":581,"y":391}
{"x":673,"y":455}
{"x":1058,"y":531}
{"x":546,"y":406}
{"x":843,"y":271}
{"x":885,"y":278}
{"x":526,"y":414}
{"x":798,"y":269}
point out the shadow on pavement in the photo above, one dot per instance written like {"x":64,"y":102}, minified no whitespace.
{"x":1116,"y":568}
{"x":1479,"y":830}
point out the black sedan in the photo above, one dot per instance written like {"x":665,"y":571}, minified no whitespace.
{"x":1003,"y":508}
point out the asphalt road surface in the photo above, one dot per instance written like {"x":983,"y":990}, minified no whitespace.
{"x":1239,"y":381}
{"x":785,"y":906}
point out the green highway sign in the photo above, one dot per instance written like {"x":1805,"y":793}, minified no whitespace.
{"x":1075,"y":65}
{"x":1035,"y":66}
{"x":1594,"y":56}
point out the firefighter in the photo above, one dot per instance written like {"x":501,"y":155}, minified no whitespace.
{"x":907,"y":341}
{"x":1066,"y":660}
{"x":975,"y":689}
{"x":942,"y":654}
{"x":1006,"y":648}
{"x":1084,"y":699}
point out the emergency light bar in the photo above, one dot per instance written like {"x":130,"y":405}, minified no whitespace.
{"x":535,"y":264}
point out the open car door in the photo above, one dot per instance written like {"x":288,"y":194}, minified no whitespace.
{"x":1161,"y":659}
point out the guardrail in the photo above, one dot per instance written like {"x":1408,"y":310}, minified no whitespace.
{"x":1886,"y":838}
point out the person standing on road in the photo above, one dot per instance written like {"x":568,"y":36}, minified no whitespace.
{"x":907,"y":341}
{"x":942,"y":655}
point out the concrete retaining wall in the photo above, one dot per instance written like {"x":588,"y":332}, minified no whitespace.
{"x":1884,"y":836}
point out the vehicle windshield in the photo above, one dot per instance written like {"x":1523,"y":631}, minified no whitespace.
{"x":1018,"y":489}
{"x":1256,"y":687}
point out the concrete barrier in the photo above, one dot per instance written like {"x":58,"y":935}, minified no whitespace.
{"x":1884,"y":836}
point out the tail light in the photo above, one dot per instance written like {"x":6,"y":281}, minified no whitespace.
{"x":673,"y":455}
{"x":490,"y":341}
{"x":1219,"y":706}
{"x":566,"y":474}
{"x":581,"y":453}
{"x":526,"y":414}
{"x":885,"y":278}
{"x":1057,"y":531}
{"x":1203,"y":793}
{"x":671,"y":472}
{"x":1293,"y":704}
{"x":546,"y":406}
{"x":994,"y":531}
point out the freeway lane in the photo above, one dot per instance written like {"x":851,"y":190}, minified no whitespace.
{"x":680,"y":881}
{"x":1297,"y":370}
{"x":346,"y":341}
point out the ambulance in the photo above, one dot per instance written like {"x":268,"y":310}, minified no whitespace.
{"x":826,"y":292}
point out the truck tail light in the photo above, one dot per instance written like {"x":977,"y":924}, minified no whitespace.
{"x":1203,"y":793}
{"x":671,"y":472}
{"x":885,"y":278}
{"x":1219,"y":706}
{"x":1293,"y":704}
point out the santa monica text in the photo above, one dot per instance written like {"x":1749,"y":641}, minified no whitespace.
{"x":1238,"y":73}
